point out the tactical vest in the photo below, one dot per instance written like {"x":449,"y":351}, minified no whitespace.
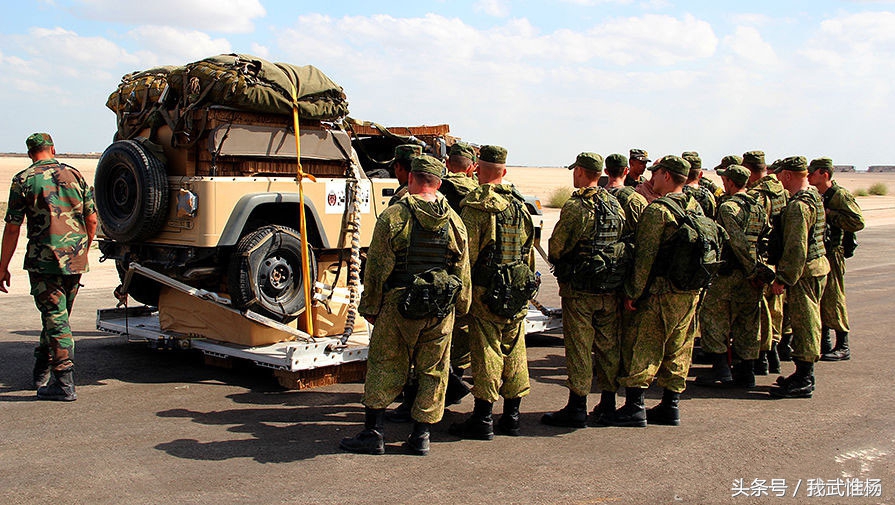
{"x":427,"y":250}
{"x":776,"y":202}
{"x":503,"y":268}
{"x":834,"y":234}
{"x":755,"y":230}
{"x":705,"y":199}
{"x":816,"y":232}
{"x":508,"y":246}
{"x":599,"y":262}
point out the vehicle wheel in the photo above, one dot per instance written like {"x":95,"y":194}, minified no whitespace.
{"x":265,"y":273}
{"x":131,"y":192}
{"x":141,"y":289}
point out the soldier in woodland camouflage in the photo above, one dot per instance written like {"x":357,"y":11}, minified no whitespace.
{"x":589,"y":221}
{"x":844,"y":219}
{"x":501,"y":235}
{"x":801,"y":272}
{"x":732,"y":305}
{"x":773,"y":197}
{"x":419,"y":237}
{"x":662,"y":338}
{"x":703,"y":196}
{"x":60,"y":212}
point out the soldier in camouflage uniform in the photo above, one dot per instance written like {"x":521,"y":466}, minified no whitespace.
{"x":801,"y":272}
{"x":501,"y":235}
{"x":418,"y":254}
{"x":404,"y":154}
{"x":663,"y":340}
{"x":61,"y":223}
{"x":732,"y":304}
{"x":590,"y":221}
{"x":633,"y":204}
{"x":637,"y":158}
{"x":703,"y":196}
{"x":844,"y":219}
{"x":773,"y":197}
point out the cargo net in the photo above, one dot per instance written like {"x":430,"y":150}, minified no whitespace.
{"x":173,"y":94}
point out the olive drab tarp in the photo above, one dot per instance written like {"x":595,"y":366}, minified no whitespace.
{"x":239,"y":81}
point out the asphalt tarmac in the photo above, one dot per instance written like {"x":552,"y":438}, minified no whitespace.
{"x":160,"y":427}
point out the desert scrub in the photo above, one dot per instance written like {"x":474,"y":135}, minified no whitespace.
{"x":878,"y":189}
{"x":559,"y":196}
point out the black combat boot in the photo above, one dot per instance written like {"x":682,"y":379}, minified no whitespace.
{"x":479,"y":426}
{"x":798,"y":385}
{"x":456,"y":388}
{"x":42,"y":368}
{"x":784,"y":351}
{"x":773,"y":359}
{"x":841,"y":352}
{"x":573,"y":415}
{"x":604,"y":408}
{"x":631,"y":414}
{"x":509,"y":421}
{"x":826,"y":341}
{"x":667,"y":412}
{"x":762,"y":364}
{"x":370,"y":440}
{"x":744,"y":374}
{"x":62,"y":389}
{"x":401,"y":413}
{"x":418,"y":442}
{"x":720,"y":375}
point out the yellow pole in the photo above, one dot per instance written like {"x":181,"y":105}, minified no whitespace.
{"x":303,"y":231}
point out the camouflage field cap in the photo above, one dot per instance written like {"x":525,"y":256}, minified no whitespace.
{"x":407,"y":152}
{"x":730,"y":159}
{"x":736,"y":173}
{"x":493,"y":154}
{"x":616,"y":161}
{"x":36,"y":140}
{"x":462,"y":149}
{"x":823,"y":164}
{"x":693,"y":158}
{"x":639,"y":154}
{"x":793,"y":164}
{"x":673,"y":164}
{"x":754,"y":157}
{"x":592,"y":162}
{"x":428,"y":165}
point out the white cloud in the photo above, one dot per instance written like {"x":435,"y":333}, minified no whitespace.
{"x":748,"y":44}
{"x":72,"y":50}
{"x":750,"y":19}
{"x":858,"y":44}
{"x":496,"y":8}
{"x":227,"y":16}
{"x":165,"y":45}
{"x":597,"y":2}
{"x":259,"y":50}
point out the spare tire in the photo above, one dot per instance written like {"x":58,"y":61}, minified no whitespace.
{"x":131,"y":190}
{"x":265,"y":273}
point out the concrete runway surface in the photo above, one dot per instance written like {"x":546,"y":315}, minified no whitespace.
{"x":160,"y":427}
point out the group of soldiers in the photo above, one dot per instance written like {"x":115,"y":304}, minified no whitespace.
{"x":450,"y":270}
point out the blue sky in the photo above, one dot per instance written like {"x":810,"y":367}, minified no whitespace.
{"x":547,"y":79}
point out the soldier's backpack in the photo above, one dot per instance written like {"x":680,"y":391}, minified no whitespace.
{"x":690,"y":260}
{"x":835,"y":236}
{"x":601,"y":264}
{"x":503,"y":267}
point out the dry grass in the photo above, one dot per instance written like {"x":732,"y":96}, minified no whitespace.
{"x":559,"y":196}
{"x":878,"y":189}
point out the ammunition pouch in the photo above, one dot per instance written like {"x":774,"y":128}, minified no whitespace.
{"x":509,"y":287}
{"x":432,"y":293}
{"x":602,"y":272}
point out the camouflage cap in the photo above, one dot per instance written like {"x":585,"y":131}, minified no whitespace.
{"x":493,"y":154}
{"x":736,"y":173}
{"x":754,"y":157}
{"x":405,"y":153}
{"x":673,"y":164}
{"x":693,"y":158}
{"x":36,"y":140}
{"x":592,"y":162}
{"x":428,"y":165}
{"x":462,"y":149}
{"x":616,"y":161}
{"x":639,"y":154}
{"x":824,"y":164}
{"x":730,"y":159}
{"x":793,"y":164}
